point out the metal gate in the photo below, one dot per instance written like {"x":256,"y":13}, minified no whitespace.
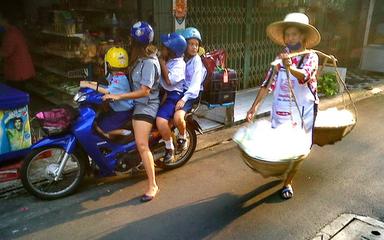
{"x":239,"y":28}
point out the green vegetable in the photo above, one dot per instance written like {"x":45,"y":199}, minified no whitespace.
{"x":327,"y":84}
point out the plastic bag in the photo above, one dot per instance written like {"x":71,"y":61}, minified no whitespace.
{"x":56,"y":120}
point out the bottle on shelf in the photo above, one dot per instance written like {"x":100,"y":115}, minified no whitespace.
{"x":115,"y":25}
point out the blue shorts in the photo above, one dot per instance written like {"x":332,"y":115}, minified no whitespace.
{"x":167,"y":109}
{"x":112,"y":120}
{"x":188,"y":105}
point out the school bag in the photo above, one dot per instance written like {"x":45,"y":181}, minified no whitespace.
{"x":220,"y":83}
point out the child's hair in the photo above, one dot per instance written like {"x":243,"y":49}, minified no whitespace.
{"x":150,"y":50}
{"x":171,"y":54}
{"x":143,"y":51}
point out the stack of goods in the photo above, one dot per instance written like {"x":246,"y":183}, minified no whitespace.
{"x":88,"y":48}
{"x":63,"y":22}
{"x":64,"y":48}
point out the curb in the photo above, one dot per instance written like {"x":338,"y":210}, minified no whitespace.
{"x":356,"y":95}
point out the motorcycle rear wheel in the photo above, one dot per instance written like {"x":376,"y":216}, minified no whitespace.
{"x":37,"y":173}
{"x":183,"y":157}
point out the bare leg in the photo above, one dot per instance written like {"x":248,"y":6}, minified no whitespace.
{"x":163,"y":127}
{"x":287,"y":191}
{"x":180,"y":121}
{"x":142,"y":130}
{"x":289,"y":179}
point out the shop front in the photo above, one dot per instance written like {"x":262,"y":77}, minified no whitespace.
{"x":373,"y":50}
{"x":68,"y":38}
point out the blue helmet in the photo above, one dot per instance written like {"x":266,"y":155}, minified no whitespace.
{"x":192,"y":32}
{"x":175,"y":42}
{"x":142,"y":32}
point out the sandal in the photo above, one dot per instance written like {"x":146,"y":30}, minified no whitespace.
{"x":147,"y":198}
{"x":287,"y":192}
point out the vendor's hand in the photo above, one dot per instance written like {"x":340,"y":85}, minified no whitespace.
{"x":111,"y":97}
{"x":286,"y":59}
{"x":251,"y":114}
{"x":84,"y":84}
{"x":180,"y":104}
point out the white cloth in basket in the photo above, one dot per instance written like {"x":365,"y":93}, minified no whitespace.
{"x":259,"y":140}
{"x":332,"y":117}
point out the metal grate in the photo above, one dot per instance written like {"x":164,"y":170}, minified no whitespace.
{"x":224,"y":23}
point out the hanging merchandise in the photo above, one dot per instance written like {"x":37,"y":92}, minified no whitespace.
{"x":180,"y":13}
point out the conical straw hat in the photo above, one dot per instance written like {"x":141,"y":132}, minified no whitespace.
{"x":275,"y":30}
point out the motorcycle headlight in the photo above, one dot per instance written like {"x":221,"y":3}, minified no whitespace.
{"x":79,"y":97}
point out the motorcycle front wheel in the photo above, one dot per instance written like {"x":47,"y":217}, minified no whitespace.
{"x":39,"y":170}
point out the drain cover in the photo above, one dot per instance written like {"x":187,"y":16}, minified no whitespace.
{"x":351,"y":227}
{"x":358,"y":229}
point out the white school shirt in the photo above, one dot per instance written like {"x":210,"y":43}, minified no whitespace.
{"x":194,"y":77}
{"x":176,"y":75}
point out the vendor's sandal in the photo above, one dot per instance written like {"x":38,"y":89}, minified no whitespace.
{"x":287,"y":192}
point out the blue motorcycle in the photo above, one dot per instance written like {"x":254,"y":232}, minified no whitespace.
{"x":58,"y":163}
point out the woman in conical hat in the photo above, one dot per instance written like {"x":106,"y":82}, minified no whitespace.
{"x":295,"y":34}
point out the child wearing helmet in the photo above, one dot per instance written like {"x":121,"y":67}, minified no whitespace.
{"x":116,"y":60}
{"x":172,"y":80}
{"x":194,"y":77}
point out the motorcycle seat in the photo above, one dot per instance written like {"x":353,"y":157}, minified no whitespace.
{"x":122,"y":135}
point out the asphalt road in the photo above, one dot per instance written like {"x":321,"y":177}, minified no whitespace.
{"x":216,"y":196}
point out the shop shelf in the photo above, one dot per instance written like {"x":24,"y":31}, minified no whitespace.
{"x":58,"y":53}
{"x":76,"y":35}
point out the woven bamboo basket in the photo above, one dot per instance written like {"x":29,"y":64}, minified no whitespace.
{"x":332,"y":134}
{"x":273,"y":168}
{"x":329,"y":135}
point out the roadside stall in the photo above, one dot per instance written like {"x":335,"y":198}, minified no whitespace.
{"x":68,"y":40}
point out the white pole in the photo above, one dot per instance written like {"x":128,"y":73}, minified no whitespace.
{"x":369,"y":20}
